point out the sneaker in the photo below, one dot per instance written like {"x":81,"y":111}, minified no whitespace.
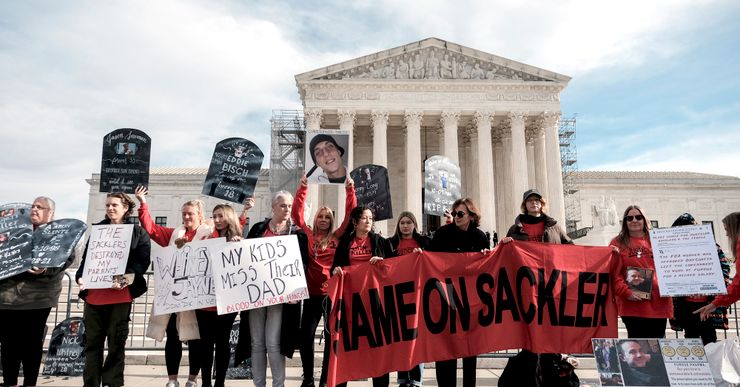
{"x":172,"y":383}
{"x":191,"y":383}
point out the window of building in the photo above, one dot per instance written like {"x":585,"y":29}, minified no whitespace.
{"x":133,"y":219}
{"x":654,"y":223}
{"x":160,"y":221}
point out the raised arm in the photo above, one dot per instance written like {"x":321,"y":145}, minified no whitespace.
{"x":350,"y":203}
{"x":159,"y":234}
{"x":299,"y":201}
{"x":248,"y":205}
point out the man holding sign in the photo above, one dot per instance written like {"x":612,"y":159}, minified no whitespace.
{"x":107,"y":310}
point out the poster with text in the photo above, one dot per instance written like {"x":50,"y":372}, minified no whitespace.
{"x":125,"y":163}
{"x":107,"y":254}
{"x":242,"y":370}
{"x":686,"y":261}
{"x":16,"y":241}
{"x":327,"y":152}
{"x":652,"y":362}
{"x":258,"y":272}
{"x":441,"y":185}
{"x":66,"y":355}
{"x":54,"y":242}
{"x":373,"y":189}
{"x":182,"y":277}
{"x":234,"y":170}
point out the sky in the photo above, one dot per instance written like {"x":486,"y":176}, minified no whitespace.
{"x":655,"y":84}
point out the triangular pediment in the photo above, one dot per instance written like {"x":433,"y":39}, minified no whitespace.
{"x":432,"y":59}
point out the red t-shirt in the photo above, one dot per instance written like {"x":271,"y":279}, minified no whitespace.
{"x":534,"y":231}
{"x":360,"y":251}
{"x":407,"y":246}
{"x":108,"y":296}
{"x":319,"y":268}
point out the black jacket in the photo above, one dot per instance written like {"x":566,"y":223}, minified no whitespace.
{"x":553,"y":232}
{"x":380,"y":248}
{"x":138,"y":260}
{"x":451,"y":239}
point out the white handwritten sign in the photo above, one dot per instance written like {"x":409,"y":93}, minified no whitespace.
{"x":259,"y":272}
{"x":183,"y":279}
{"x":107,"y":254}
{"x":686,"y":261}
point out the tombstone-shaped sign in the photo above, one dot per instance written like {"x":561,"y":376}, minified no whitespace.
{"x":373,"y":189}
{"x":234,"y":170}
{"x":53,"y":242}
{"x":125,"y":164}
{"x":66,"y":356}
{"x":441,"y":185}
{"x":16,"y":239}
{"x":244,"y":369}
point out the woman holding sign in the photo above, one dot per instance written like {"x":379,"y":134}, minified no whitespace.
{"x":107,"y":310}
{"x":181,"y":325}
{"x":322,"y":244}
{"x":644,"y":313}
{"x":731,"y":223}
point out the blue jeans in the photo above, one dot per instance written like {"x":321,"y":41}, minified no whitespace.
{"x":413,"y":376}
{"x":264,"y":326}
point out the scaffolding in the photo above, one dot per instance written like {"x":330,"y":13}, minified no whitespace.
{"x":569,"y":161}
{"x":287,"y":160}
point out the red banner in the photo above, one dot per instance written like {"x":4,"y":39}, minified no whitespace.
{"x":425,"y":307}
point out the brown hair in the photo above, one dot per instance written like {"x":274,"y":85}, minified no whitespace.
{"x":624,"y":234}
{"x":125,"y":201}
{"x":472,"y":209}
{"x":543,"y":201}
{"x":732,"y":224}
{"x":233,"y":227}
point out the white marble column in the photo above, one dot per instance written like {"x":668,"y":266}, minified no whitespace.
{"x":379,"y":133}
{"x":312,"y":119}
{"x":510,"y":208}
{"x":448,"y":139}
{"x":499,"y":165}
{"x":518,"y":157}
{"x":540,"y":158}
{"x":347,"y":124}
{"x":412,"y":120}
{"x":530,"y":134}
{"x":471,"y":166}
{"x":482,"y":121}
{"x":554,"y":167}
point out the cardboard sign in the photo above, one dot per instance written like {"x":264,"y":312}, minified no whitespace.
{"x":327,"y":152}
{"x":125,"y":162}
{"x":258,"y":272}
{"x":53,"y":242}
{"x":16,"y":241}
{"x":441,"y":185}
{"x":686,"y":261}
{"x":183,"y":279}
{"x":244,"y":369}
{"x":652,"y":362}
{"x":66,"y":356}
{"x":234,"y":170}
{"x":373,"y":189}
{"x":107,"y":254}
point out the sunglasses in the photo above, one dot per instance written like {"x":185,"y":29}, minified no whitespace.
{"x":630,"y":218}
{"x":460,"y":214}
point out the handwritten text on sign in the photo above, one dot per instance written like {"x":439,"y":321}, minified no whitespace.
{"x":107,"y":254}
{"x":183,"y":276}
{"x":259,"y":272}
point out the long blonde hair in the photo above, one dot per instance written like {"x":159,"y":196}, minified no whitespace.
{"x":233,"y":227}
{"x":323,"y":242}
{"x":732,"y":224}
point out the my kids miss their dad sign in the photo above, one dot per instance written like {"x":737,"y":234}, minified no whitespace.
{"x":235,"y":168}
{"x":426,"y":306}
{"x":125,"y":161}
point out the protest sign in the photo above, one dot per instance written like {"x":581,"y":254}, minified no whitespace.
{"x":235,"y":168}
{"x":428,"y":306}
{"x":125,"y":161}
{"x":16,"y":241}
{"x":327,"y":152}
{"x":652,"y":362}
{"x":244,"y":369}
{"x":66,"y":355}
{"x":258,"y":272}
{"x":441,"y":185}
{"x":372,"y":189}
{"x":53,"y":242}
{"x":183,"y":279}
{"x":686,"y":261}
{"x":107,"y":254}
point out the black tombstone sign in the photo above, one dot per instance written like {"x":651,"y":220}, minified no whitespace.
{"x":16,"y":239}
{"x":125,"y":162}
{"x":53,"y":242}
{"x":373,"y":189}
{"x":66,"y":356}
{"x":234,"y":170}
{"x":237,"y":371}
{"x":441,"y":185}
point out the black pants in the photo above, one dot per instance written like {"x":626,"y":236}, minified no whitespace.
{"x":380,"y":381}
{"x":105,"y":322}
{"x":692,"y":325}
{"x":447,"y":372}
{"x":644,"y":327}
{"x":314,"y":308}
{"x":214,"y":331}
{"x":22,"y":342}
{"x":173,"y":350}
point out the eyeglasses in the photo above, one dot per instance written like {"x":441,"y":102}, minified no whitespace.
{"x":38,"y":207}
{"x":630,"y":218}
{"x":460,"y":214}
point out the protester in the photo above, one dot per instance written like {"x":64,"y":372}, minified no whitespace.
{"x":731,"y":223}
{"x":181,"y":325}
{"x":405,"y":241}
{"x":107,"y":311}
{"x":639,"y":366}
{"x":322,"y":244}
{"x":644,"y":317}
{"x":461,"y":236}
{"x":25,"y":303}
{"x":360,"y":244}
{"x":272,"y":329}
{"x":327,"y":155}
